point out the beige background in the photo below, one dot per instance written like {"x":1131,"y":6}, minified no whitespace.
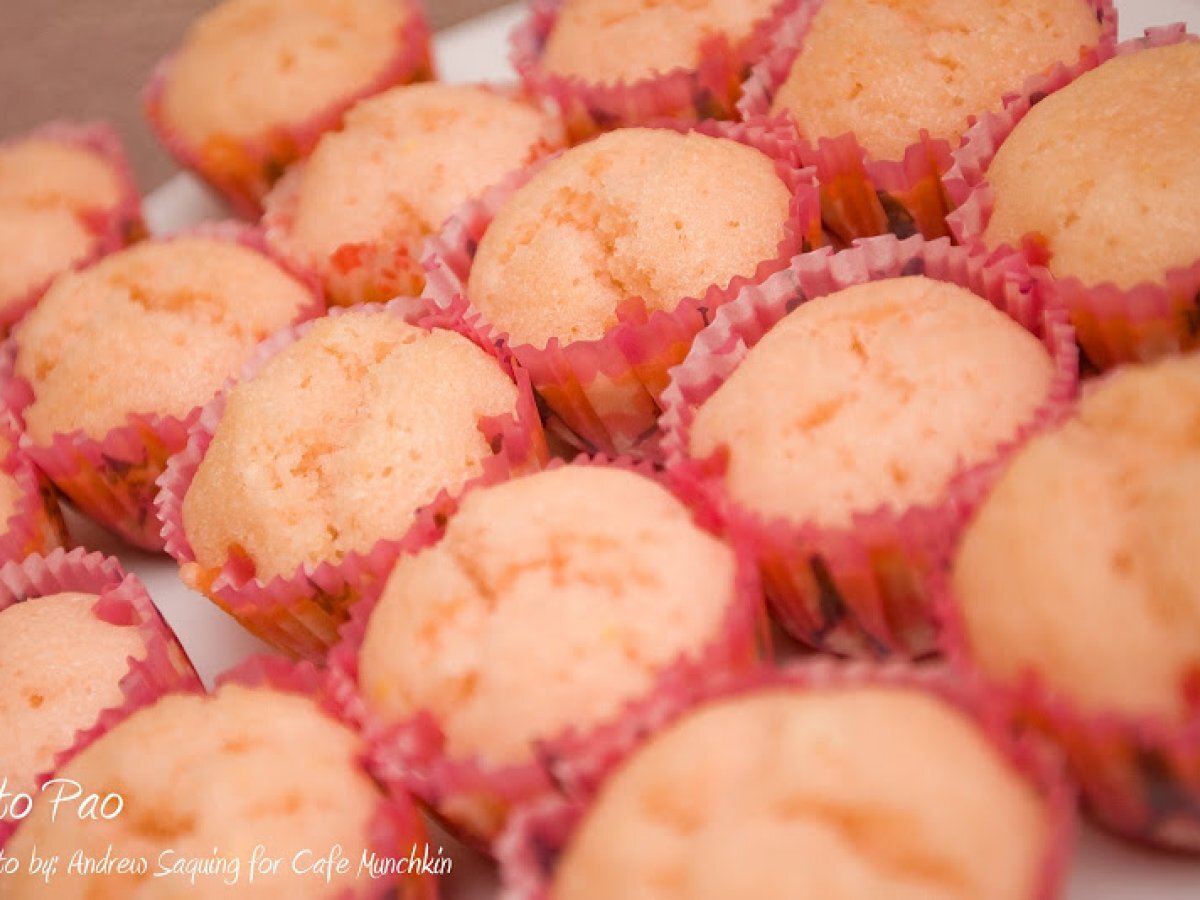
{"x":89,"y":58}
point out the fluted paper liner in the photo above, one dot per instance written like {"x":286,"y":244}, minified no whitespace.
{"x":709,"y":91}
{"x":111,"y":228}
{"x":242,"y":170}
{"x":112,"y":479}
{"x":301,"y":614}
{"x":36,"y":523}
{"x":604,"y":395}
{"x":857,"y":590}
{"x":473,"y":798}
{"x":861,"y":196}
{"x":123,"y":601}
{"x":1114,"y":325}
{"x":539,"y":832}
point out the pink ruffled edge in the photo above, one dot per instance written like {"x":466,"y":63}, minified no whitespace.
{"x":301,"y":614}
{"x":123,"y":601}
{"x":642,"y":346}
{"x":1139,"y":775}
{"x":112,"y":228}
{"x":411,"y":754}
{"x":865,"y":196}
{"x":864,"y":595}
{"x":111,"y":479}
{"x":358,"y":285}
{"x":36,"y":524}
{"x":397,"y":824}
{"x":709,"y":91}
{"x":1114,"y":325}
{"x":529,"y":848}
{"x":263,"y":159}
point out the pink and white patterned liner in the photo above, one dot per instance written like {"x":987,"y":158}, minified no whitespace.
{"x":35,"y":524}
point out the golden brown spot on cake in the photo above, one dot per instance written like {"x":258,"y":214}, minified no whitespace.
{"x":857,"y":345}
{"x":286,"y":805}
{"x":160,"y":824}
{"x":238,"y":745}
{"x":823,"y":412}
{"x":466,"y":687}
{"x":873,"y":834}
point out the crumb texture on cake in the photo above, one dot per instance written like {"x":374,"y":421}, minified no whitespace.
{"x":874,"y":395}
{"x":404,"y":161}
{"x":45,"y":186}
{"x":885,"y":69}
{"x":1104,"y":172}
{"x":242,"y":768}
{"x":843,"y":794}
{"x":638,"y":212}
{"x":594,"y":581}
{"x":60,"y":667}
{"x":248,"y":66}
{"x":609,"y":41}
{"x":1081,"y":565}
{"x":156,"y":328}
{"x":339,"y":439}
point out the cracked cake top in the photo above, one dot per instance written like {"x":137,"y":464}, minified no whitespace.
{"x":638,"y":212}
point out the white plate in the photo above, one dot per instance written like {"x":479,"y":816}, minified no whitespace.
{"x":1104,"y":870}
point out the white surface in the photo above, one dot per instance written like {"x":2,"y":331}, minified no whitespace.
{"x":1104,"y":869}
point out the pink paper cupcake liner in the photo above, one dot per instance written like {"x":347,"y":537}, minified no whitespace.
{"x":604,"y":395}
{"x":112,"y":479}
{"x":709,"y":91}
{"x":36,"y":524}
{"x":540,"y":831}
{"x":397,"y":826}
{"x":474,"y":798}
{"x":1113,"y":325}
{"x":860,"y":196}
{"x":857,"y":590}
{"x":242,"y":170}
{"x":123,"y":601}
{"x":367,"y":271}
{"x":301,"y":614}
{"x":111,"y":228}
{"x":1139,"y":776}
